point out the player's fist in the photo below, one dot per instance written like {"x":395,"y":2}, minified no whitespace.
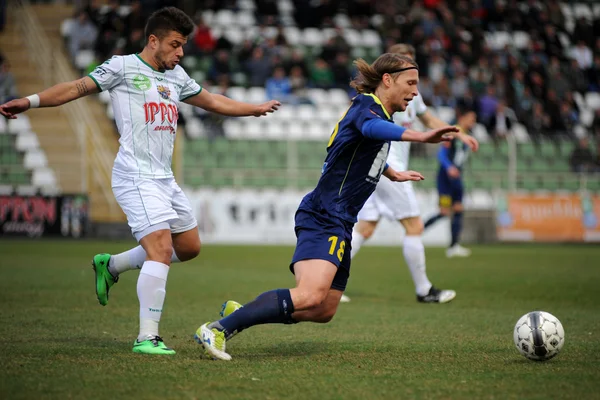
{"x":266,"y":108}
{"x":14,"y":107}
{"x":453,"y":172}
{"x":403,"y":176}
{"x":440,"y":135}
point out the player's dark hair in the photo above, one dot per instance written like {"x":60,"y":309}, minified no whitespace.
{"x":403,"y":49}
{"x":370,"y":76}
{"x":168,"y":19}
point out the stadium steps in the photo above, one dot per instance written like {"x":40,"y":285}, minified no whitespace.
{"x":51,"y":17}
{"x":52,"y":128}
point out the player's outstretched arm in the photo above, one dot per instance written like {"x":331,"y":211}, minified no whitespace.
{"x":54,"y":96}
{"x":433,"y":122}
{"x":225,"y":106}
{"x":384,"y":130}
{"x":433,"y":136}
{"x":402,"y":176}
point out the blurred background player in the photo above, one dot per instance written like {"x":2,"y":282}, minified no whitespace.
{"x":397,"y":200}
{"x":452,"y":156}
{"x":145,"y":90}
{"x":356,"y":155}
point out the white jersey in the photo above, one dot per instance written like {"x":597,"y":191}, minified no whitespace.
{"x":145,"y":103}
{"x":400,"y":151}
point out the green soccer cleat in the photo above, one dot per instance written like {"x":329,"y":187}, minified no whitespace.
{"x":213,"y":341}
{"x":152,"y":346}
{"x":229,"y":307}
{"x":104,"y":279}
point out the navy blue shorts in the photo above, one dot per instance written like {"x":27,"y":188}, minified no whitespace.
{"x":450,"y":190}
{"x":326,"y":238}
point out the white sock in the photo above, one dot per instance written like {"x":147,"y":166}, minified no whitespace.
{"x":414,"y":255}
{"x":151,"y":290}
{"x":131,"y":259}
{"x":357,"y":242}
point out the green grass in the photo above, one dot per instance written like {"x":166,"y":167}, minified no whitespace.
{"x":57,"y":342}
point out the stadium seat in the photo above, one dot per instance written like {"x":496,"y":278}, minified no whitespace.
{"x":370,"y":38}
{"x":253,"y":129}
{"x":84,"y":59}
{"x":296,"y":130}
{"x":582,"y":10}
{"x":592,"y":100}
{"x":19,"y":125}
{"x":225,"y":18}
{"x":520,"y":132}
{"x":318,"y":96}
{"x":256,"y":95}
{"x":353,"y":37}
{"x":316,"y":131}
{"x":327,"y":115}
{"x":194,"y":128}
{"x":35,"y":158}
{"x":596,"y":10}
{"x":245,"y":19}
{"x":233,"y":128}
{"x":312,"y":37}
{"x":275,"y":130}
{"x":3,"y":126}
{"x":292,"y":35}
{"x":446,"y":114}
{"x":66,"y":27}
{"x":480,"y":133}
{"x":305,"y":112}
{"x":43,"y":177}
{"x":285,"y":6}
{"x":339,"y":96}
{"x":27,"y":141}
{"x":342,"y":20}
{"x":234,"y":35}
{"x":521,"y":40}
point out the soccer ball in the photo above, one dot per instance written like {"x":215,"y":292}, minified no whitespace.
{"x":539,"y":335}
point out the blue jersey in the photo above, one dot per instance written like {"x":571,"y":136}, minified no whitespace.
{"x":457,"y":154}
{"x":353,"y":165}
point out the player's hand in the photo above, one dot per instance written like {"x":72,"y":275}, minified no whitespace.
{"x":469,"y":141}
{"x":444,"y":134}
{"x":14,"y":107}
{"x":267,"y":108}
{"x":403,"y":176}
{"x":453,"y":172}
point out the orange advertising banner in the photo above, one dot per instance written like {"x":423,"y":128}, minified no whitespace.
{"x":549,"y":218}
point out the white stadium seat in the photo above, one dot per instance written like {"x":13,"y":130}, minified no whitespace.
{"x":285,"y":6}
{"x":208,"y":17}
{"x":582,"y":10}
{"x":305,"y":112}
{"x":312,"y":37}
{"x":225,"y":18}
{"x":233,"y":128}
{"x":43,"y":177}
{"x":194,"y":128}
{"x":480,"y":133}
{"x":256,"y":95}
{"x":353,"y":37}
{"x":275,"y":130}
{"x":317,"y":131}
{"x":285,"y":113}
{"x":296,"y":130}
{"x":520,"y":133}
{"x":235,"y":35}
{"x":84,"y":59}
{"x":318,"y":96}
{"x":586,"y":117}
{"x":35,"y":158}
{"x":327,"y":114}
{"x":292,"y":35}
{"x":592,"y":99}
{"x":253,"y":129}
{"x":237,"y":93}
{"x":27,"y":141}
{"x":20,"y":124}
{"x":342,"y":20}
{"x":245,"y":19}
{"x":339,"y":96}
{"x":446,"y":114}
{"x":3,"y":125}
{"x":371,"y":38}
{"x":521,"y":39}
{"x":246,"y":5}
{"x":66,"y":27}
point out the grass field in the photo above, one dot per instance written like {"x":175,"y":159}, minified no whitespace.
{"x":57,"y":342}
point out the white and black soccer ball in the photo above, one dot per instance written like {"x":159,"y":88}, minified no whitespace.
{"x":539,"y":335}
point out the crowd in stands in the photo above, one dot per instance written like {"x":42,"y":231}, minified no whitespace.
{"x":537,"y":84}
{"x":8,"y":87}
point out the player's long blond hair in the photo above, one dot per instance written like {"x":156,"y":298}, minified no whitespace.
{"x":369,"y":76}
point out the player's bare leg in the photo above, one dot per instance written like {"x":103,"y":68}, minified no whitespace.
{"x":186,"y":245}
{"x":362,"y":232}
{"x":313,"y":282}
{"x":455,"y":249}
{"x":414,"y":255}
{"x":324,"y":312}
{"x":151,"y":289}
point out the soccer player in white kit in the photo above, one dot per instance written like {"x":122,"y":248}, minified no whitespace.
{"x":145,"y":90}
{"x":397,"y":200}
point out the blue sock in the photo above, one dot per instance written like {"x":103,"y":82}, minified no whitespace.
{"x":456,"y":227}
{"x":433,"y":220}
{"x":274,"y":307}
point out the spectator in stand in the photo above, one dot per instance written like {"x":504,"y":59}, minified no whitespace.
{"x":552,"y":43}
{"x":8,"y":87}
{"x":341,"y":71}
{"x":279,"y":87}
{"x":488,"y":104}
{"x":135,"y":20}
{"x":500,"y":123}
{"x":258,"y":67}
{"x":583,"y":55}
{"x":296,"y":59}
{"x":459,"y":85}
{"x":437,"y":68}
{"x":538,"y":123}
{"x":321,"y":75}
{"x":220,"y":66}
{"x":83,"y":34}
{"x":582,"y":159}
{"x":299,"y":84}
{"x":203,"y":38}
{"x":594,"y":75}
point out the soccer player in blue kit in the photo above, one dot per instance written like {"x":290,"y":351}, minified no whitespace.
{"x":452,"y":156}
{"x":356,"y":155}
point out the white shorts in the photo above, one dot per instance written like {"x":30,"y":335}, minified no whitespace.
{"x":153,"y":204}
{"x":392,"y":200}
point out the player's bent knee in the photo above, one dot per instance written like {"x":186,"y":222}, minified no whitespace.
{"x":366,"y":228}
{"x":413,"y":226}
{"x":190,"y":252}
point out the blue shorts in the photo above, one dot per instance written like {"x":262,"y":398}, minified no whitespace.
{"x":450,"y":190}
{"x":324,"y":237}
